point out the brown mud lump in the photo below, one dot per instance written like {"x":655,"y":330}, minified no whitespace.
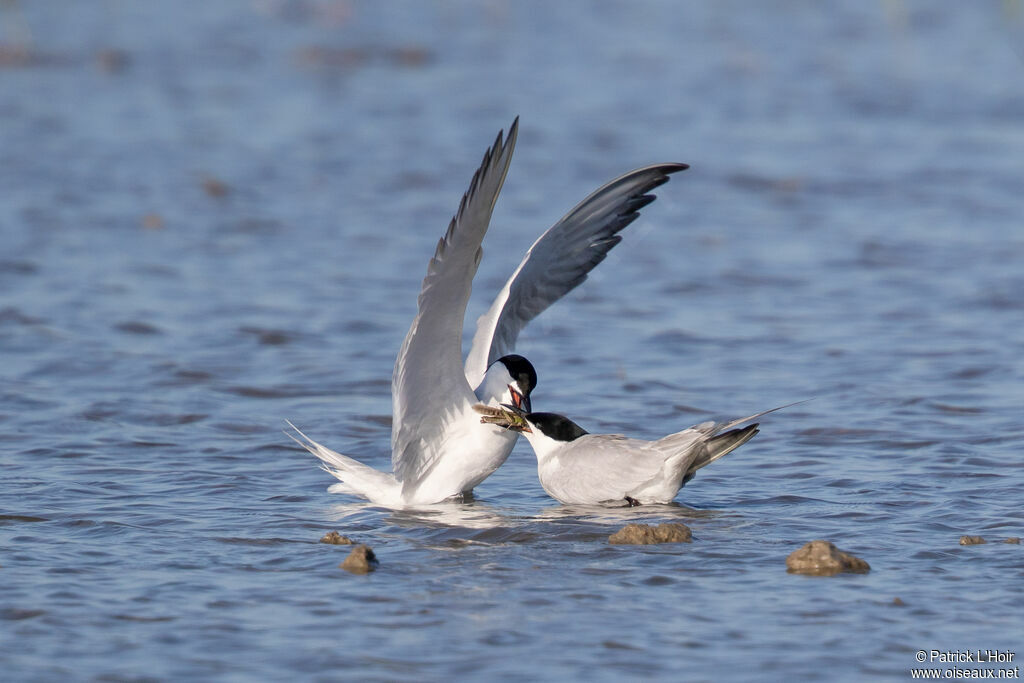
{"x":360,"y":561}
{"x":822,"y":558}
{"x":1013,"y":539}
{"x":334,"y":538}
{"x":972,"y":540}
{"x":637,"y":534}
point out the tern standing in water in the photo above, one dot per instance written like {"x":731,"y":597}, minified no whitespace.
{"x":576,"y":467}
{"x":439,"y":448}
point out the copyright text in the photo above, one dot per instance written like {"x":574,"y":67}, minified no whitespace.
{"x":982,"y":659}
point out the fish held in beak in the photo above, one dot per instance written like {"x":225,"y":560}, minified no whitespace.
{"x":507,"y":416}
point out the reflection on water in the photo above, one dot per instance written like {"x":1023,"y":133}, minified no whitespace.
{"x":620,"y":514}
{"x":451,"y":516}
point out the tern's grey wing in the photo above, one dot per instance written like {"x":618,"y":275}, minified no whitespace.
{"x":560,"y":260}
{"x":428,"y":381}
{"x":720,"y":442}
{"x":604,"y":467}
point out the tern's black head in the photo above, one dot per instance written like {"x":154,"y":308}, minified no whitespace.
{"x":557,"y":427}
{"x":522,"y":372}
{"x":524,"y":377}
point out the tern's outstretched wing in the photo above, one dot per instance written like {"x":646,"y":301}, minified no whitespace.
{"x":560,"y":260}
{"x":428,"y":380}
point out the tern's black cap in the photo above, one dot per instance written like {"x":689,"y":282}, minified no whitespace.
{"x":521,"y":370}
{"x":557,"y":427}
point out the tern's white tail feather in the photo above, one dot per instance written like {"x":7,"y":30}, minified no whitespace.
{"x":355,"y":477}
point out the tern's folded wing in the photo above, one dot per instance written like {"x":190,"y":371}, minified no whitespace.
{"x":599,"y":468}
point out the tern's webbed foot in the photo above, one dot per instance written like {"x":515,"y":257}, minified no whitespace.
{"x":632,"y":502}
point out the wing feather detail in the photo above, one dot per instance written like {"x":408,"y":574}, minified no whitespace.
{"x":560,"y":260}
{"x":428,"y":385}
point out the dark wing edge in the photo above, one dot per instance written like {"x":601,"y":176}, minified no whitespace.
{"x":561,"y":259}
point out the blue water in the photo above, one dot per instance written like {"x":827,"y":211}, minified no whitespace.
{"x":216,"y":216}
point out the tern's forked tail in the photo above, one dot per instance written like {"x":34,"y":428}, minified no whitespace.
{"x":723,"y":444}
{"x":355,"y":477}
{"x":728,"y":439}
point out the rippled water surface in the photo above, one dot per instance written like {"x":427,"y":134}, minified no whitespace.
{"x":216,"y":216}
